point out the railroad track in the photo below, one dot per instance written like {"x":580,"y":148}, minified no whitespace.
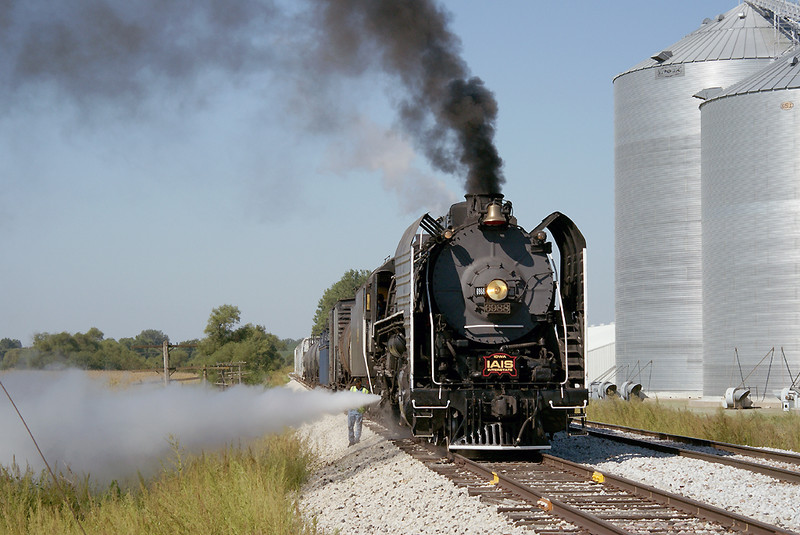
{"x":558,"y":496}
{"x":723,"y":452}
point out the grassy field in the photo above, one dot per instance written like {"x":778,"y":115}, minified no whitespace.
{"x":243,"y":490}
{"x":279,"y":377}
{"x":748,"y":427}
{"x":115,"y":378}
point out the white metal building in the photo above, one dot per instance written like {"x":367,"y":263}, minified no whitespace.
{"x":600,"y":359}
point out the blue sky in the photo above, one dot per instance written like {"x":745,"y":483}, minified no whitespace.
{"x":144,"y":207}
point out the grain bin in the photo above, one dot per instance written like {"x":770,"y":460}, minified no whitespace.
{"x":751,"y":230}
{"x":658,"y":277}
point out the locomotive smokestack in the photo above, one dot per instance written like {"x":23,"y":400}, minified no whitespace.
{"x":488,"y":209}
{"x":450,"y":114}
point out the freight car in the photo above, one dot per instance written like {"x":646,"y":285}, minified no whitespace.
{"x":469,"y":333}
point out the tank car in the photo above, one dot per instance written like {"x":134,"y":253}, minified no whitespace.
{"x":300,"y":356}
{"x":468,"y":332}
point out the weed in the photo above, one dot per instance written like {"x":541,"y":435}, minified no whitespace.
{"x":750,"y":428}
{"x":249,"y":489}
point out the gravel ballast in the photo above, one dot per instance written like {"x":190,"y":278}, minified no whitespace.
{"x":736,"y":490}
{"x":373,"y":487}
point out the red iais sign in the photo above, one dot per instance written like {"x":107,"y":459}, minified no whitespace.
{"x":499,"y":363}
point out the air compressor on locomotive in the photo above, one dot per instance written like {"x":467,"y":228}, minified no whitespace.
{"x":467,"y":332}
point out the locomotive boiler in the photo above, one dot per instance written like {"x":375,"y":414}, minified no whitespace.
{"x":469,"y":332}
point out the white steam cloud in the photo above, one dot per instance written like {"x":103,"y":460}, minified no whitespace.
{"x":115,"y":434}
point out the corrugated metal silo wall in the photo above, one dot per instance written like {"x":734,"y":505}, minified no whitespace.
{"x":658,"y":298}
{"x":751,"y":239}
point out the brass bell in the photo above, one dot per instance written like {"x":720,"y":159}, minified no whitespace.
{"x":494,"y":215}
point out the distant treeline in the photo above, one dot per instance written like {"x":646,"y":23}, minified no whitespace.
{"x":225,"y":341}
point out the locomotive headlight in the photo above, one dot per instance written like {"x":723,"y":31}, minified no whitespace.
{"x":497,"y":290}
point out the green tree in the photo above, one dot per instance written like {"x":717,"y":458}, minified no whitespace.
{"x":181,"y":356}
{"x":148,"y":337}
{"x":220,"y":328}
{"x":13,"y":357}
{"x":152,"y":337}
{"x":225,"y":342}
{"x":7,"y":344}
{"x":344,"y":288}
{"x":65,"y":349}
{"x":89,"y":350}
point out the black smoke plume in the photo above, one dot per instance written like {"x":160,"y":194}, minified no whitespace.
{"x":122,"y":54}
{"x":449,"y":113}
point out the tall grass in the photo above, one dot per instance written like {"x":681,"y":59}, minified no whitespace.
{"x":747,"y":427}
{"x":248,"y":490}
{"x":278,"y":377}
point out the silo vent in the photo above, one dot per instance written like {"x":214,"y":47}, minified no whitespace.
{"x":708,"y":93}
{"x":720,"y":17}
{"x":793,"y":61}
{"x":662,"y":56}
{"x":741,"y":14}
{"x":706,"y":20}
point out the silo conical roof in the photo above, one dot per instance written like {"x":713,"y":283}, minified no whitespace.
{"x":741,"y":33}
{"x":783,"y":73}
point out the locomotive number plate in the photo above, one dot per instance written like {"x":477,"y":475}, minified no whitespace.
{"x":497,"y":308}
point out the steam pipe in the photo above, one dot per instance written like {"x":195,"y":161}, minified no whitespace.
{"x":522,"y":430}
{"x":511,"y":347}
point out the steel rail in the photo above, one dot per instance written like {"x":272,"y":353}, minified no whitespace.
{"x":771,"y":471}
{"x":782,"y":456}
{"x":585,"y":520}
{"x":582,"y":519}
{"x":687,"y":505}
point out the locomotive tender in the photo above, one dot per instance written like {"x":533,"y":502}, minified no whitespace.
{"x":467,"y":333}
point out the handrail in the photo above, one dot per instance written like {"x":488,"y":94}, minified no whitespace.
{"x":781,"y":8}
{"x":563,"y":320}
{"x":430,"y":321}
{"x":414,"y":404}
{"x":783,"y":12}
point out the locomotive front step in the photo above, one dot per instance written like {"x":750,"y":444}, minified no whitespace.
{"x":423,"y":423}
{"x":576,"y":425}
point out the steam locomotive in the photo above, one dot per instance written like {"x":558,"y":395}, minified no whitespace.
{"x":467,"y":332}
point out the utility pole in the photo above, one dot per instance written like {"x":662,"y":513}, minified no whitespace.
{"x":165,"y":347}
{"x":165,"y":350}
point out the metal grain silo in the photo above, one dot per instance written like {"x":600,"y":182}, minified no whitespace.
{"x":657,"y":192}
{"x":751,"y":230}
